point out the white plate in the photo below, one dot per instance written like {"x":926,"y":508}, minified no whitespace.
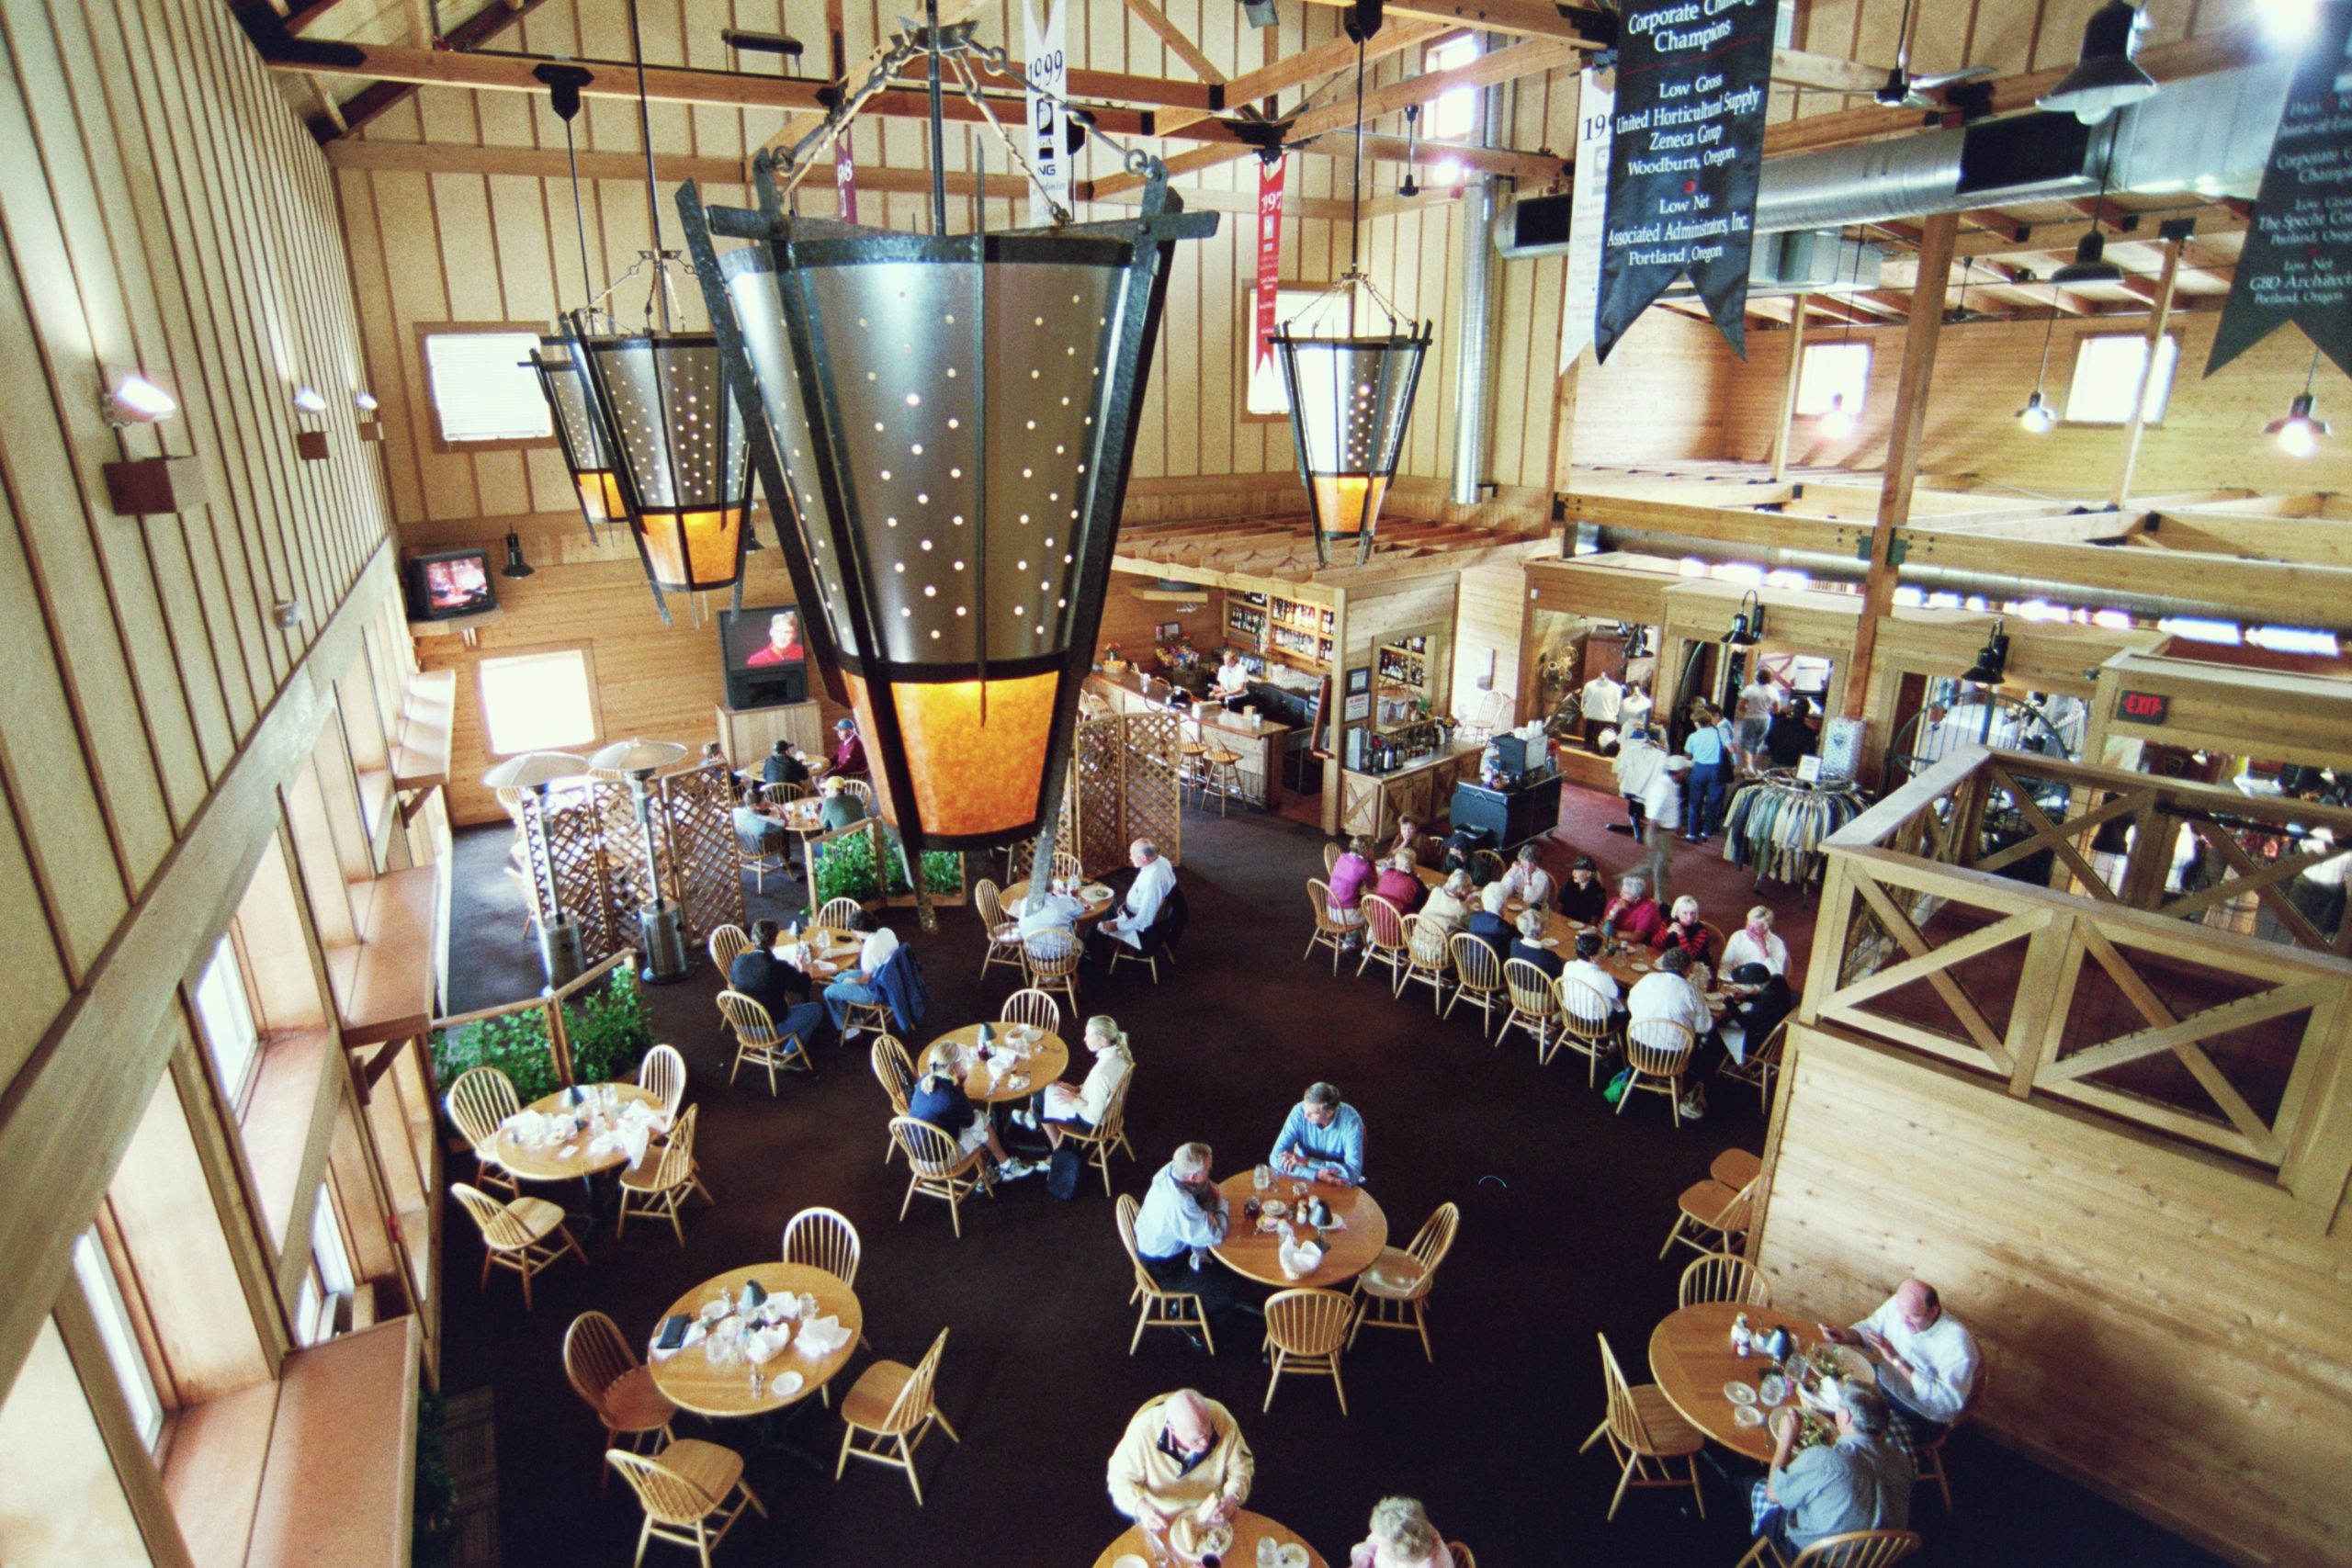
{"x":1548,"y":941}
{"x":784,"y":1386}
{"x":1739,"y":1393}
{"x":1094,"y":891}
{"x":1130,"y":1561}
{"x":1773,"y":1388}
{"x":1746,"y":1415}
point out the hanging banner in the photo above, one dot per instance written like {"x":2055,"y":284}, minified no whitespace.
{"x":2297,"y":263}
{"x":1048,"y":147}
{"x":845,"y":178}
{"x":1687,"y":145}
{"x":1270,"y":255}
{"x":1588,"y":210}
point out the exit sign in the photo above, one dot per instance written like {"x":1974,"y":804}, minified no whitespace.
{"x":2143,"y":707}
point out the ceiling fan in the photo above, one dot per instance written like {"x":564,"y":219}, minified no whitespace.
{"x":1902,"y":90}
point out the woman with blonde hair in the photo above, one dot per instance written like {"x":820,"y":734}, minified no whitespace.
{"x":1402,"y":1537}
{"x":1083,"y":1107}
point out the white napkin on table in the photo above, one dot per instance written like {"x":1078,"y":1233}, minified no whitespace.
{"x":1299,"y":1259}
{"x":535,"y":1128}
{"x":760,"y":1343}
{"x":820,"y":1336}
{"x":696,"y":1334}
{"x":628,"y":1139}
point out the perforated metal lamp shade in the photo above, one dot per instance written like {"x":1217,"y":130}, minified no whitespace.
{"x":579,"y":434}
{"x":1350,"y":399}
{"x":679,"y":451}
{"x":946,"y":423}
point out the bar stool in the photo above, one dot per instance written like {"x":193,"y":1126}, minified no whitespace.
{"x":1222,"y":773}
{"x":1192,"y":767}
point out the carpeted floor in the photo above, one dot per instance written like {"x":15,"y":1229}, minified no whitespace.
{"x":1564,"y":1206}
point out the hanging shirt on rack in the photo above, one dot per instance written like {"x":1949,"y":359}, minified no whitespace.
{"x":1602,"y":699}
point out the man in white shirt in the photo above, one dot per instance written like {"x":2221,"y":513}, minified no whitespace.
{"x":1581,"y":970}
{"x":1927,"y":1358}
{"x":1666,"y":992}
{"x":862,"y":984}
{"x":1758,"y":701}
{"x":1638,"y":762}
{"x":1154,"y":879}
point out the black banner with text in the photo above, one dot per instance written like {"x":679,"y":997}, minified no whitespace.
{"x":2297,"y":263}
{"x":1687,"y":148}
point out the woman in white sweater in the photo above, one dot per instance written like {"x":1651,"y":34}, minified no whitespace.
{"x":1755,"y":943}
{"x":1084,"y":1107}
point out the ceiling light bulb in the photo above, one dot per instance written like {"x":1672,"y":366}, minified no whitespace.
{"x":2289,"y":23}
{"x":2299,"y":434}
{"x":137,"y":400}
{"x":2038,"y":416}
{"x":1448,"y":173}
{"x":1837,"y":421}
{"x":306,"y":398}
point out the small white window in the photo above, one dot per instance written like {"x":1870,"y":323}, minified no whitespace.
{"x":1455,"y":114}
{"x":225,"y":1018}
{"x":328,"y":1280}
{"x":105,"y":1298}
{"x":537,"y":701}
{"x":1268,"y":397}
{"x":2106,"y":368}
{"x":1834,"y":371}
{"x":1784,"y":25}
{"x":484,"y":388}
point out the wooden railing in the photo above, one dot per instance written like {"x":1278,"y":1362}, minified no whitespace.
{"x":549,"y":1006}
{"x":1972,"y":916}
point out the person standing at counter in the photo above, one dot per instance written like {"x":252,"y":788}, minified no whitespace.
{"x":1232,"y":682}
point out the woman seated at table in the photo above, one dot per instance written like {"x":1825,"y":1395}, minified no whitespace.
{"x":1082,"y":1109}
{"x":939,"y":1100}
{"x":1583,"y":896}
{"x":1632,"y":914}
{"x":1526,"y":880}
{"x":1755,"y":943}
{"x":1351,"y":876}
{"x":1449,"y":904}
{"x":1402,"y":1537}
{"x":1687,"y":933}
{"x":1399,"y":884}
{"x":1532,"y":924}
{"x":1488,"y":924}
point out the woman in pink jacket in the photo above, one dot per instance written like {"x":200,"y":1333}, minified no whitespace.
{"x":1350,"y":874}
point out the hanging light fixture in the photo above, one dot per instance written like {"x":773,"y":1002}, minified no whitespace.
{"x":560,"y":952}
{"x":1351,"y":393}
{"x":2299,"y":434}
{"x":2106,"y":76}
{"x":1992,"y":661}
{"x":2038,"y":416}
{"x":515,"y":565}
{"x":947,"y":421}
{"x":661,"y":932}
{"x":1746,"y":623}
{"x":677,"y":445}
{"x":562,"y":378}
{"x":1409,"y":189}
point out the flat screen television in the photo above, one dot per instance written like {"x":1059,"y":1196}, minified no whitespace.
{"x":766,"y":655}
{"x":450,"y":584}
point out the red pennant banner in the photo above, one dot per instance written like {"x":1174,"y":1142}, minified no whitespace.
{"x":1270,"y":253}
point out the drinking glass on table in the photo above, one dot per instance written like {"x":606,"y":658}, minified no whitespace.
{"x":1262,"y":1178}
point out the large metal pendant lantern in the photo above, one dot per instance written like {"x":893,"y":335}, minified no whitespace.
{"x":580,"y":434}
{"x":948,"y":422}
{"x":1350,"y":399}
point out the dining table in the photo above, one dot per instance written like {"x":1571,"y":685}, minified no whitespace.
{"x":587,"y":1153}
{"x":1693,"y":1364}
{"x":1627,"y":962}
{"x":1131,"y":1551}
{"x":1254,"y":1252}
{"x":1041,"y":1056}
{"x":1098,"y":897}
{"x":690,"y":1380}
{"x":805,"y":819}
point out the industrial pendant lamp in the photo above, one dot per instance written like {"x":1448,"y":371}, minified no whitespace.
{"x":1746,"y":623}
{"x":2090,"y":264}
{"x":2106,"y":76}
{"x":1992,"y":661}
{"x":2299,"y":434}
{"x":2038,"y":416}
{"x":562,"y":380}
{"x":948,"y":421}
{"x":1351,"y":392}
{"x":678,"y":447}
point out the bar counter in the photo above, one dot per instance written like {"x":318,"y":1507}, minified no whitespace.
{"x":1261,"y":749}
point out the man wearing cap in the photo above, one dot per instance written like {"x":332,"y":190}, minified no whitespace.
{"x":841,"y":809}
{"x":848,"y":760}
{"x":784,"y":765}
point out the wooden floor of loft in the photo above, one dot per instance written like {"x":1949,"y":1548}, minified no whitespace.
{"x":1564,"y":1207}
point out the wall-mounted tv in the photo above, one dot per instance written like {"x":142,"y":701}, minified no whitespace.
{"x":766,"y":655}
{"x":450,"y":584}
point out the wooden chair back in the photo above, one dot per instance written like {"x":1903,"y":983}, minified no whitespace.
{"x":1740,"y":1211}
{"x":1319,"y":894}
{"x":595,"y":1357}
{"x":895,"y":1070}
{"x":748,"y":1017}
{"x":1384,"y":923}
{"x":782,"y":793}
{"x":1584,"y":1009}
{"x":1052,"y":955}
{"x":1128,"y":1210}
{"x":1476,"y":967}
{"x":1659,"y":1046}
{"x":1531,"y":989}
{"x":932,"y":1153}
{"x":1624,"y":1416}
{"x":989,"y":900}
{"x":863,"y":790}
{"x":1308,"y":1322}
{"x":1858,"y":1549}
{"x":1723,"y":1277}
{"x":500,"y":1231}
{"x":1768,"y":1055}
{"x":668,"y":1497}
{"x":1032,"y":1007}
{"x":842,"y":914}
{"x":676,"y":1165}
{"x":823,"y":1238}
{"x":1486,"y":865}
{"x":662,"y":1075}
{"x":1425,"y":942}
{"x":727,"y":944}
{"x":1331,"y":853}
{"x":480,"y":1099}
{"x":1068,"y":867}
{"x":1435,"y":1238}
{"x":1462,"y":1557}
{"x":912,"y":1406}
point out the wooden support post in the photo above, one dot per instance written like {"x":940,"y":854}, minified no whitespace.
{"x":1789,"y":389}
{"x":1919,"y":339}
{"x":2159,"y":316}
{"x":1334,"y":771}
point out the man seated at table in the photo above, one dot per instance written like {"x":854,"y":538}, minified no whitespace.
{"x":760,"y":974}
{"x":1154,"y":879}
{"x":1926,"y":1360}
{"x":863,"y":984}
{"x":1583,"y":971}
{"x":1042,"y":909}
{"x":1181,"y":1457}
{"x":1448,"y":906}
{"x":760,"y":835}
{"x":1666,"y":992}
{"x":1400,"y":883}
{"x":1526,"y":880}
{"x":1759,"y":1001}
{"x":1755,"y":943}
{"x":1528,"y":948}
{"x":1584,"y":895}
{"x":1322,"y":1138}
{"x":1632,"y":914}
{"x":1461,"y":848}
{"x":1488,"y":924}
{"x":1411,"y":839}
{"x":848,"y":759}
{"x":1183,"y":1215}
{"x":939,"y":1100}
{"x":841,"y":809}
{"x":784,"y":764}
{"x":1862,"y":1481}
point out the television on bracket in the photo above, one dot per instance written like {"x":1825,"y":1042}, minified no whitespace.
{"x":766,"y":655}
{"x":450,"y":584}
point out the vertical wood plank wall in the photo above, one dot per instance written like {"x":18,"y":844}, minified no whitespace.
{"x":2163,"y":1327}
{"x":161,"y":211}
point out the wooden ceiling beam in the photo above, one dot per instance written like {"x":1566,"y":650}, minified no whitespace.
{"x":1528,"y":18}
{"x":1541,"y":167}
{"x":1326,"y":59}
{"x":1181,"y":47}
{"x":383,"y":95}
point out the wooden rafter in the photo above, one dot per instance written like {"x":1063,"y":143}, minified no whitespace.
{"x":1181,"y":47}
{"x":381,"y":95}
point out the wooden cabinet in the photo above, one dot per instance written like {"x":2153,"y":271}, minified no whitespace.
{"x":1371,"y":804}
{"x":747,"y":735}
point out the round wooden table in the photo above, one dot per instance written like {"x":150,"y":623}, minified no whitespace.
{"x":1255,"y":1255}
{"x":832,"y":950}
{"x":1627,"y":969}
{"x":1249,"y":1529}
{"x":570,"y":1159}
{"x":1047,"y":1056}
{"x":1692,"y":1359}
{"x":1009,"y":900}
{"x":805,"y":816}
{"x":691,"y":1382}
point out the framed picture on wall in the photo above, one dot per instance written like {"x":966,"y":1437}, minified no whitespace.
{"x":1171,"y":630}
{"x":1359,"y":681}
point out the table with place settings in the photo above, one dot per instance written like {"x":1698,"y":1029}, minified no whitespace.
{"x":720,"y":1382}
{"x":1254,"y":1250}
{"x":1709,"y":1384}
{"x":829,"y":951}
{"x":563,"y":1138}
{"x":1021,"y":1060}
{"x":1098,"y":897}
{"x":1627,"y":967}
{"x":1258,"y":1542}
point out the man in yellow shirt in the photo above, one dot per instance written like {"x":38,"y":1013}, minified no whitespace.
{"x":1183,"y":1469}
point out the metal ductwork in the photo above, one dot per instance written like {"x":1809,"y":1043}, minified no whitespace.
{"x":1993,"y":586}
{"x":1471,"y":356}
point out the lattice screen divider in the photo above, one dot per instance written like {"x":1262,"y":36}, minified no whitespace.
{"x":624,"y":854}
{"x":1123,"y":787}
{"x":697,"y":818}
{"x":572,"y":834}
{"x":1151,"y":796}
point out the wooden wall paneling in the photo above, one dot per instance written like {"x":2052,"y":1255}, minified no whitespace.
{"x":39,"y":976}
{"x":1489,"y":606}
{"x":56,"y":1474}
{"x":380,"y":338}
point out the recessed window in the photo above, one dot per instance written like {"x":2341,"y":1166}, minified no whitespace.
{"x":1833,"y":372}
{"x":1269,"y":398}
{"x":484,"y":389}
{"x":329,"y":1280}
{"x":1455,"y":114}
{"x":2106,"y":368}
{"x":105,"y":1298}
{"x":537,"y":701}
{"x":224,"y":1016}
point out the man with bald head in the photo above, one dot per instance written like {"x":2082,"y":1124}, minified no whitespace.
{"x":1182,"y":1468}
{"x":1926,"y":1360}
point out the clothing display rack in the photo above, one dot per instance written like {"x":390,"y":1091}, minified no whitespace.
{"x":1775,"y":824}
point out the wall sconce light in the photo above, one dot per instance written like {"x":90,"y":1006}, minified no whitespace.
{"x":1747,"y":625}
{"x":137,"y":400}
{"x":365,"y":401}
{"x":306,"y":398}
{"x":1993,"y":661}
{"x":515,"y":565}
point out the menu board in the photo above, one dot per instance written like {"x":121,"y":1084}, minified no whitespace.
{"x":1687,"y":146}
{"x":2297,"y":265}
